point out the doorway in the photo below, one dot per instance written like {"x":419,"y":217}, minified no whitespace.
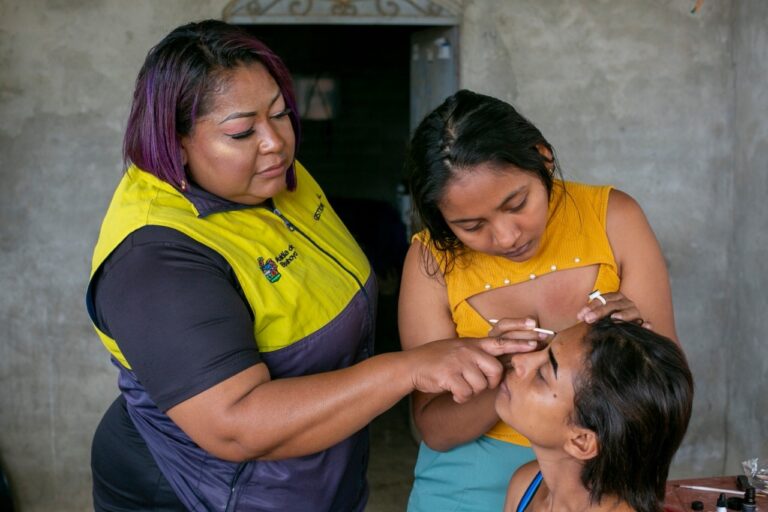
{"x":361,"y":91}
{"x":357,"y":151}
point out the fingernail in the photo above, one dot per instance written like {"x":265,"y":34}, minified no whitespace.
{"x":543,"y":336}
{"x":616,"y":316}
{"x":590,"y":317}
{"x":530,"y":322}
{"x":493,"y":321}
{"x":532,"y":343}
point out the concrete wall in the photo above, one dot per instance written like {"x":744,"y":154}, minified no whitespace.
{"x":747,"y":364}
{"x":66,"y":79}
{"x":637,"y":93}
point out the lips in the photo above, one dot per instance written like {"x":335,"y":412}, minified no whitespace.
{"x":519,"y":251}
{"x":272,"y":170}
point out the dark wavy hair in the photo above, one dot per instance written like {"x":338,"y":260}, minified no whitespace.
{"x":467,"y":129}
{"x":635,"y":392}
{"x":176,"y":84}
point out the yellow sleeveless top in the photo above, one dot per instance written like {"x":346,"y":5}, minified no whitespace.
{"x":575,"y":236}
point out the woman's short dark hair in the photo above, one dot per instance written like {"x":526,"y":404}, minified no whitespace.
{"x":468,"y":129}
{"x":175,"y":85}
{"x":635,"y":392}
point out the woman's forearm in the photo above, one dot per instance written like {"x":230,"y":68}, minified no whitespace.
{"x":298,"y":416}
{"x":444,"y":424}
{"x":250,"y":416}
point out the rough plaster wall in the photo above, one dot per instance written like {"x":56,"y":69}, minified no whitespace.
{"x":747,"y":426}
{"x":65,"y":87}
{"x":638,"y":94}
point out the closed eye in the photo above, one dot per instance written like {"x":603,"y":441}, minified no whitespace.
{"x":471,"y":229}
{"x":281,"y":114}
{"x":242,"y":135}
{"x":520,"y":206}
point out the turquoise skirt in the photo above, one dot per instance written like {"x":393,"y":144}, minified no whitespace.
{"x":472,"y":477}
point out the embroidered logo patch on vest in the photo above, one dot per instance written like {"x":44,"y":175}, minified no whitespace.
{"x":269,"y":268}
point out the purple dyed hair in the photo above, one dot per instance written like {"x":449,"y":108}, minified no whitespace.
{"x":175,"y":85}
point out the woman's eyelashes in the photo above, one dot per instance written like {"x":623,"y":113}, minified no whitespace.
{"x":247,"y":133}
{"x":519,"y":206}
{"x":511,"y":209}
{"x":242,"y":135}
{"x":282,"y":113}
{"x":474,"y":228}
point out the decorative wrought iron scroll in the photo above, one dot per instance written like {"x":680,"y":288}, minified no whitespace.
{"x":401,"y":12}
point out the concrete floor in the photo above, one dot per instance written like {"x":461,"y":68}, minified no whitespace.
{"x":393,"y":456}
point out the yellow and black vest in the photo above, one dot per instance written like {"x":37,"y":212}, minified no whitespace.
{"x":273,"y":252}
{"x":312,"y":294}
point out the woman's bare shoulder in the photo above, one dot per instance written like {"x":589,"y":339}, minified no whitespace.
{"x":518,"y":484}
{"x":422,"y":296}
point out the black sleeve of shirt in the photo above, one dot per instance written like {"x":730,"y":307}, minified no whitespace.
{"x":177,"y":312}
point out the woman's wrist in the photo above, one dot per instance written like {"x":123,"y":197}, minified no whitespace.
{"x":398,"y":372}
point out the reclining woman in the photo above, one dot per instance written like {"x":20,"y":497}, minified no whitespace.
{"x":607,"y":407}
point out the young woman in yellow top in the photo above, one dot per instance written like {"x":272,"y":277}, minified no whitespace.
{"x":507,"y":248}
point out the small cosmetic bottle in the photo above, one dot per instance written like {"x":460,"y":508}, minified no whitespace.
{"x":722,"y":504}
{"x":749,"y":505}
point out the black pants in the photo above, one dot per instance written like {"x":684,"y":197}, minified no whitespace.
{"x":125,"y":475}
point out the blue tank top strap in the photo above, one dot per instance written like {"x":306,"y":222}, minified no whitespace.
{"x":530,"y":492}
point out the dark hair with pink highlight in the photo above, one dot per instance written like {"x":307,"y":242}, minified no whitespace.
{"x":175,"y":85}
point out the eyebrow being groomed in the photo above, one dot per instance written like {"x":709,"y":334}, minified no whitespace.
{"x":552,"y":360}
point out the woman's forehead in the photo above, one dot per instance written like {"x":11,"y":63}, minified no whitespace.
{"x":482,"y":186}
{"x":490,"y":170}
{"x":568,"y":346}
{"x":247,"y":83}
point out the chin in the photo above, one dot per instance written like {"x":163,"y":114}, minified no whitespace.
{"x":264,"y":193}
{"x":503,"y":408}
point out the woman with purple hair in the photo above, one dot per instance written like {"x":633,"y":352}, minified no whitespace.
{"x":236,"y":306}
